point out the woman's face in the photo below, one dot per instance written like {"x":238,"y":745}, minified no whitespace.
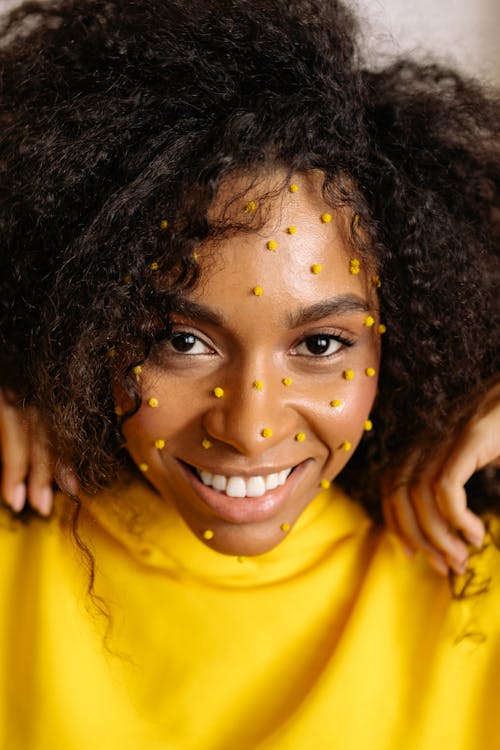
{"x":262,"y":392}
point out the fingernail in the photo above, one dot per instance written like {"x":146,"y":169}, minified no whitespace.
{"x":17,"y":498}
{"x":475,"y":539}
{"x":44,"y":501}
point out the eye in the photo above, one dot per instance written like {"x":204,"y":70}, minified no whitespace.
{"x":185,"y":342}
{"x":321,"y":345}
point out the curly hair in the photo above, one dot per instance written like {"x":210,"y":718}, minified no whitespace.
{"x":119,"y":115}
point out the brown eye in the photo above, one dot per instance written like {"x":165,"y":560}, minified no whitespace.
{"x":322,"y":345}
{"x":319,"y":345}
{"x":187,"y":343}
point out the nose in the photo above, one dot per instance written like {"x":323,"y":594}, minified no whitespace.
{"x":252,"y":416}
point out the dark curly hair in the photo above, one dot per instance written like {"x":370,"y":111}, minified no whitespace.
{"x":118,"y":115}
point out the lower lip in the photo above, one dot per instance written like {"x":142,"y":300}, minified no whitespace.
{"x":245,"y":509}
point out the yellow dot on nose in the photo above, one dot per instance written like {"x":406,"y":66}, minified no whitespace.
{"x":250,"y":206}
{"x":369,"y":321}
{"x":160,"y":444}
{"x":326,"y":218}
{"x":300,"y":437}
{"x":325,"y":484}
{"x":382,"y":328}
{"x":266,"y":432}
{"x":163,"y":224}
{"x":336,"y":402}
{"x":368,"y":425}
{"x":348,"y":374}
{"x":272,"y":245}
{"x":291,"y":230}
{"x":346,"y":446}
{"x":316,"y":268}
{"x":286,"y":381}
{"x":153,"y":402}
{"x":154,"y":265}
{"x":258,"y":385}
{"x":370,"y":371}
{"x":206,"y":443}
{"x":143,"y":467}
{"x":285,"y":527}
{"x":258,"y":291}
{"x":294,"y":188}
{"x":218,"y":392}
{"x":208,"y":534}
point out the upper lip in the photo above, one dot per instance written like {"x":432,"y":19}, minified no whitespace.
{"x":239,"y":472}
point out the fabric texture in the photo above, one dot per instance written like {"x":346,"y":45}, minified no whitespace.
{"x":334,"y":639}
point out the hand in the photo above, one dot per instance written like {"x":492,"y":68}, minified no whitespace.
{"x":427,"y":508}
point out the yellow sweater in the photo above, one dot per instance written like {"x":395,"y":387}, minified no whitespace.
{"x":332,"y":640}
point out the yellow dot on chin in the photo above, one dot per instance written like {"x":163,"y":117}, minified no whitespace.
{"x":348,"y":374}
{"x":153,"y":402}
{"x":370,"y":371}
{"x":163,"y":224}
{"x":250,"y":206}
{"x":154,"y":265}
{"x":143,"y":467}
{"x":294,"y":188}
{"x":272,"y":245}
{"x":266,"y":432}
{"x":258,"y":291}
{"x":291,"y":230}
{"x":258,"y":385}
{"x":300,"y":437}
{"x":346,"y":445}
{"x":160,"y":444}
{"x":316,"y":268}
{"x":206,"y":443}
{"x":208,"y":534}
{"x":285,"y":527}
{"x":326,"y":218}
{"x":325,"y":484}
{"x":286,"y":381}
{"x":369,"y":321}
{"x":218,"y":392}
{"x":382,"y":328}
{"x":368,"y":425}
{"x":336,"y":402}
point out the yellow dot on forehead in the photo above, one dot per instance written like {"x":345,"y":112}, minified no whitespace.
{"x":250,"y":206}
{"x":325,"y":483}
{"x":346,"y":446}
{"x":368,"y":425}
{"x":300,"y":437}
{"x":266,"y":432}
{"x":326,"y":218}
{"x":160,"y":444}
{"x":348,"y":374}
{"x":336,"y":402}
{"x":382,"y":328}
{"x":218,"y":392}
{"x":143,"y":467}
{"x":286,"y":381}
{"x":153,"y":402}
{"x":258,"y":385}
{"x":369,"y":321}
{"x":258,"y":291}
{"x":291,"y":230}
{"x":206,"y":443}
{"x":316,"y":268}
{"x":163,"y":224}
{"x":370,"y":371}
{"x":208,"y":534}
{"x":154,"y":265}
{"x":293,"y":188}
{"x":272,"y":245}
{"x":285,"y":526}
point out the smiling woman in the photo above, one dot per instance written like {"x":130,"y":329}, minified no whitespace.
{"x":243,"y":278}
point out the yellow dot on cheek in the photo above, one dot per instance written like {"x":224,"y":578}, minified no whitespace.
{"x":272,"y":245}
{"x":368,"y":425}
{"x":369,"y":321}
{"x":250,"y":206}
{"x":266,"y":432}
{"x":153,"y":402}
{"x":286,"y":381}
{"x":370,"y":372}
{"x":316,"y":268}
{"x":346,"y":446}
{"x":144,"y":467}
{"x":326,"y":218}
{"x":300,"y":437}
{"x":291,"y":230}
{"x":348,"y":374}
{"x":208,"y":534}
{"x":206,"y":443}
{"x":218,"y":392}
{"x":285,"y":527}
{"x":336,"y":402}
{"x":258,"y":385}
{"x":159,"y":444}
{"x":258,"y":291}
{"x":325,"y":484}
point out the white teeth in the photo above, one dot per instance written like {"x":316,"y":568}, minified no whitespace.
{"x":240,"y":487}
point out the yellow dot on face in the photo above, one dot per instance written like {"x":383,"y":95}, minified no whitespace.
{"x":300,"y":437}
{"x":266,"y":432}
{"x":286,"y":381}
{"x":258,"y":291}
{"x":272,"y":245}
{"x":336,"y":402}
{"x":163,"y":224}
{"x":348,"y":374}
{"x":118,"y":411}
{"x":316,"y":268}
{"x":206,"y":443}
{"x":218,"y":392}
{"x":208,"y":534}
{"x":376,"y":281}
{"x":154,"y":265}
{"x":354,"y":266}
{"x":369,"y":321}
{"x":143,"y":467}
{"x":370,"y":371}
{"x":346,"y":446}
{"x":285,"y":527}
{"x":153,"y":402}
{"x":382,"y":328}
{"x":326,"y":218}
{"x":368,"y":425}
{"x":159,"y":444}
{"x":250,"y":206}
{"x":258,"y":385}
{"x":293,"y":188}
{"x":137,"y":370}
{"x":291,"y":230}
{"x":325,"y":484}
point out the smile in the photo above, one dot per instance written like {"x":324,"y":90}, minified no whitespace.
{"x":236,"y":486}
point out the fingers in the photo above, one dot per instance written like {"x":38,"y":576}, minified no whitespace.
{"x":40,"y":476}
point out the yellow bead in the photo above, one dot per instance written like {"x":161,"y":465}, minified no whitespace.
{"x":112,"y":352}
{"x":143,"y":467}
{"x":118,"y":411}
{"x":300,"y":437}
{"x":153,"y":402}
{"x":258,"y":291}
{"x":195,"y":255}
{"x":348,"y":374}
{"x":326,"y":218}
{"x":369,"y":321}
{"x":206,"y":443}
{"x":336,"y":402}
{"x":382,"y":328}
{"x":160,"y":444}
{"x":354,"y":266}
{"x":285,"y":527}
{"x":370,"y":371}
{"x":346,"y":445}
{"x":218,"y":392}
{"x":258,"y":385}
{"x":316,"y":268}
{"x":272,"y":245}
{"x":137,"y":370}
{"x":127,"y":279}
{"x":291,"y":230}
{"x":325,"y":484}
{"x":376,"y":281}
{"x":163,"y":224}
{"x":208,"y":534}
{"x":356,"y":218}
{"x":286,"y":381}
{"x":266,"y":432}
{"x":294,"y":188}
{"x":251,"y":206}
{"x":368,"y":425}
{"x":154,"y":265}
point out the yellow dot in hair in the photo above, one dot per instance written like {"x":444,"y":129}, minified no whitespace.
{"x":300,"y":437}
{"x":195,"y":255}
{"x":285,"y":526}
{"x":348,"y":374}
{"x":382,"y":328}
{"x":112,"y":352}
{"x":250,"y":206}
{"x":127,"y":279}
{"x":208,"y":534}
{"x":293,"y":188}
{"x":159,"y":444}
{"x":326,"y":218}
{"x":325,"y":484}
{"x":272,"y":245}
{"x":153,"y":402}
{"x":286,"y":381}
{"x":206,"y":443}
{"x":336,"y":402}
{"x":137,"y":370}
{"x":163,"y":224}
{"x":368,"y":425}
{"x":369,"y":321}
{"x":154,"y":265}
{"x":356,"y":218}
{"x":346,"y":446}
{"x":218,"y":392}
{"x":143,"y":467}
{"x":118,"y":411}
{"x":258,"y":385}
{"x":370,"y":372}
{"x":291,"y":230}
{"x":376,"y":281}
{"x":266,"y":432}
{"x":316,"y":268}
{"x":258,"y":291}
